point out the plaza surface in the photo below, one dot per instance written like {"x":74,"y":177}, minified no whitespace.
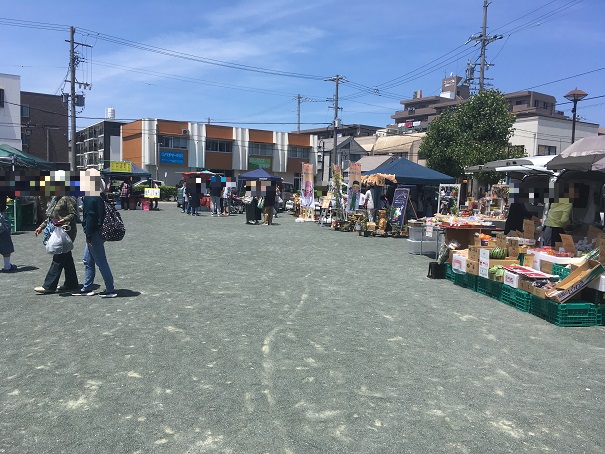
{"x":292,"y":338}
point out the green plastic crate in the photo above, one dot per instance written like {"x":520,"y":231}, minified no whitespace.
{"x":519,"y":299}
{"x":449,"y":274}
{"x":466,"y":280}
{"x":489,"y":287}
{"x":572,"y":313}
{"x":560,"y":270}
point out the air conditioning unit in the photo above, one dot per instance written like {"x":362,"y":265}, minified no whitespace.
{"x":185,"y":131}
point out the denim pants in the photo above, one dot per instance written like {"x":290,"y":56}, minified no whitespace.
{"x":95,"y":255}
{"x":216,"y":204}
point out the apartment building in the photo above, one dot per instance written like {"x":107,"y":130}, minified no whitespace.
{"x":99,"y":144}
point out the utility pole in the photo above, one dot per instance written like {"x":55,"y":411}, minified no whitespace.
{"x":484,"y":40}
{"x":72,"y":98}
{"x":74,"y":60}
{"x":336,"y":79}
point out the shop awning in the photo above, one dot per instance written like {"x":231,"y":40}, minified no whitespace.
{"x":585,"y":154}
{"x":528,"y":166}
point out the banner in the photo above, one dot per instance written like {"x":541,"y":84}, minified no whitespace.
{"x":152,"y":193}
{"x":400,"y":203}
{"x":307,"y":196}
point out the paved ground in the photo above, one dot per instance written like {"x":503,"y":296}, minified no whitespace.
{"x":293,"y":338}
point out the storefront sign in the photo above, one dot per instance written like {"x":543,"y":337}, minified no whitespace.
{"x":172,"y":157}
{"x":120,"y":166}
{"x":259,"y":163}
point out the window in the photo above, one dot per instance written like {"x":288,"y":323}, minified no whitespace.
{"x":545,"y":105}
{"x":536,"y":103}
{"x":520,"y":103}
{"x":25,"y":110}
{"x":1,"y":97}
{"x":546,"y":150}
{"x":298,"y":152}
{"x":222,"y":146}
{"x":297,"y":181}
{"x":172,"y":142}
{"x":260,"y":149}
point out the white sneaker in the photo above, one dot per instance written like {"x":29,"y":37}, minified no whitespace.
{"x":106,"y":294}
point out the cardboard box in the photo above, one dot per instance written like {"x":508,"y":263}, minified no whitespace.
{"x":525,"y":285}
{"x":539,"y":292}
{"x":371,"y":226}
{"x":459,"y":263}
{"x":472,"y":267}
{"x":511,"y":279}
{"x":473,"y":251}
{"x":546,"y":266}
{"x":576,"y":280}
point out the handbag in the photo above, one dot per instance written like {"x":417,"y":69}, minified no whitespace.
{"x":59,"y":242}
{"x":113,"y":228}
{"x":47,"y":232}
{"x":261,"y":202}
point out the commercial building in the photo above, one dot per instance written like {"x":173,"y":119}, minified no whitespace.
{"x":99,"y":144}
{"x":167,"y":148}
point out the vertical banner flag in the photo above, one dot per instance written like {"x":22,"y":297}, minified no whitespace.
{"x":354,"y":191}
{"x":307,"y":199}
{"x":400,"y":203}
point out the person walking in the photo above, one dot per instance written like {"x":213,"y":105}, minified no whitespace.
{"x":215,"y":198}
{"x":268,"y":206}
{"x":278,"y":200}
{"x":6,"y":242}
{"x":125,"y":189}
{"x":94,"y":252}
{"x":62,"y":213}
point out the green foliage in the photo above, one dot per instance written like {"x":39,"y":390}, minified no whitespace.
{"x":470,"y":134}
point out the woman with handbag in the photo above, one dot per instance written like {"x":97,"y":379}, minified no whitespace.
{"x":62,"y":213}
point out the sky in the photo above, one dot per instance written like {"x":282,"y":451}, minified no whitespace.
{"x":244,"y":63}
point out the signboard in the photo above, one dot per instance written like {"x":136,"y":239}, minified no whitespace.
{"x":354,"y":173}
{"x":120,"y":166}
{"x":568,"y":244}
{"x":307,"y":196}
{"x":325,"y":203}
{"x":172,"y":157}
{"x":152,"y":193}
{"x":400,"y":203}
{"x":259,"y":163}
{"x":449,"y":197}
{"x":528,"y":229}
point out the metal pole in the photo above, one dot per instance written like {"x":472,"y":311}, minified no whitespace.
{"x":47,"y":145}
{"x":72,"y":98}
{"x":333,"y":155}
{"x":573,"y":123}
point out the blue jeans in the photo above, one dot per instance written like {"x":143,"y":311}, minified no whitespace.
{"x":95,"y":255}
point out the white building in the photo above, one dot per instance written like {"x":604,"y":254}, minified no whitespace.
{"x":10,"y":111}
{"x":542,"y":135}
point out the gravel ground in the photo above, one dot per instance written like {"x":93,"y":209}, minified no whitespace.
{"x":292,"y":338}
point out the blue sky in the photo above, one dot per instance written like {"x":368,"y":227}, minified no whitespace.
{"x":386,"y":50}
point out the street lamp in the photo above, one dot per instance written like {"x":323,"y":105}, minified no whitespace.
{"x":575,"y":96}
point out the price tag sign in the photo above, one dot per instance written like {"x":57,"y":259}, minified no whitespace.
{"x":528,"y":228}
{"x":484,"y":263}
{"x":568,"y":244}
{"x":501,"y":240}
{"x":429,"y":231}
{"x":513,"y":248}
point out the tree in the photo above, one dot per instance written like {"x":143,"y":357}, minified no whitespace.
{"x":473,"y":133}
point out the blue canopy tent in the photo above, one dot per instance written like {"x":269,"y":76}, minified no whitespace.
{"x":408,"y":172}
{"x":258,"y":175}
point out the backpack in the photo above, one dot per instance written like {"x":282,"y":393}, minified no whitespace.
{"x":112,"y":228}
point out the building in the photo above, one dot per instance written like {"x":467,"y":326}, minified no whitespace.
{"x":35,"y":123}
{"x":347,"y":151}
{"x":44,"y":126}
{"x":539,"y":127}
{"x":99,"y":144}
{"x":167,"y":148}
{"x":342,"y":131}
{"x":10,"y":110}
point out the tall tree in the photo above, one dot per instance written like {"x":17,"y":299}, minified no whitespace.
{"x":473,"y":133}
